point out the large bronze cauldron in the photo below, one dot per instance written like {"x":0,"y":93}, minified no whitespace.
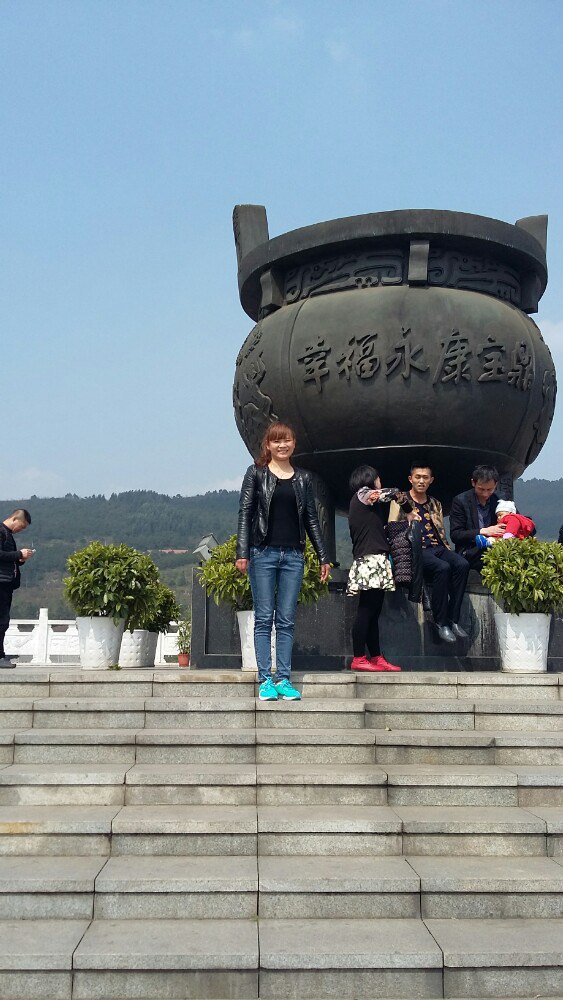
{"x":398,"y":335}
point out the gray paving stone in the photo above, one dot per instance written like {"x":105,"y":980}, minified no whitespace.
{"x":348,"y":958}
{"x":490,"y":686}
{"x":326,"y":685}
{"x":171,"y":887}
{"x":310,"y":714}
{"x":89,"y":713}
{"x":75,"y":746}
{"x":462,"y":785}
{"x":309,"y":784}
{"x":315,"y":746}
{"x":47,"y":887}
{"x":409,"y":685}
{"x":431,"y":746}
{"x":193,"y":746}
{"x":498,"y":958}
{"x":498,"y":887}
{"x":195,"y":713}
{"x":188,"y":829}
{"x":147,"y":985}
{"x":305,"y":830}
{"x":108,"y":685}
{"x":471,"y":830}
{"x":16,"y":713}
{"x":198,"y":784}
{"x":419,"y":713}
{"x":514,"y":715}
{"x":336,"y":887}
{"x":168,"y":944}
{"x":62,"y":784}
{"x":72,"y":830}
{"x":22,"y":683}
{"x":39,"y":944}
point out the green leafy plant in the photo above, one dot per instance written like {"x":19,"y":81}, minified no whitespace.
{"x":110,"y":581}
{"x":525,"y":576}
{"x":184,"y":635}
{"x":162,"y":609}
{"x":224,"y":583}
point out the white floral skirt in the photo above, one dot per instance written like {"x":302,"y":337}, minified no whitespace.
{"x":370,"y":573}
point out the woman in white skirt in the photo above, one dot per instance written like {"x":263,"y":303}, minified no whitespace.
{"x":370,"y":574}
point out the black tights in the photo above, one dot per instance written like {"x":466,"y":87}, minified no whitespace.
{"x":365,"y":630}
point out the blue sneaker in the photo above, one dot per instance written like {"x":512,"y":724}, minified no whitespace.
{"x":286,"y":691}
{"x":267,"y":691}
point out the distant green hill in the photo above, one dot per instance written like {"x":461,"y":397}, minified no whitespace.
{"x":152,"y":521}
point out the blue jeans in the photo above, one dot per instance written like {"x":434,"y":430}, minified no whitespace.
{"x":275,"y":580}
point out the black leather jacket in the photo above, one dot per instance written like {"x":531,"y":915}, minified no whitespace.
{"x":256,"y":493}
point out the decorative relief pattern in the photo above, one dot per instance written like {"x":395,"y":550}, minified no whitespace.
{"x":334,"y":274}
{"x":452,"y":269}
{"x":253,"y":408}
{"x":543,"y":423}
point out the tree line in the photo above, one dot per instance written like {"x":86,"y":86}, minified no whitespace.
{"x":152,"y":521}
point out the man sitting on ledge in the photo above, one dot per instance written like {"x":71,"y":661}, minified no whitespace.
{"x":473,"y":516}
{"x":445,"y":570}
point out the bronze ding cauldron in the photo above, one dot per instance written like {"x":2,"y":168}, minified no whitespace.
{"x":395,"y":336}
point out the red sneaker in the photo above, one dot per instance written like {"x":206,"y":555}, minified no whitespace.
{"x":380,"y":663}
{"x":362,"y":663}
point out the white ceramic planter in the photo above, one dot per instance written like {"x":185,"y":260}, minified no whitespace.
{"x":99,"y":640}
{"x":523,"y":641}
{"x":138,"y":648}
{"x":246,"y":630}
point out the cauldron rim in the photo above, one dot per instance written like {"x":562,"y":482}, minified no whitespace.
{"x":335,"y":235}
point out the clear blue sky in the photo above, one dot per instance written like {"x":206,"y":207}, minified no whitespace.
{"x":130,"y":129}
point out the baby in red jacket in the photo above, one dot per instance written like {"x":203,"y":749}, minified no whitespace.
{"x":515,"y":525}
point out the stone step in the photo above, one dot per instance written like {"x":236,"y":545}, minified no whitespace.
{"x":185,"y":830}
{"x":448,"y":686}
{"x":279,"y":784}
{"x":231,"y":887}
{"x":75,"y":746}
{"x":56,"y":830}
{"x":463,"y":714}
{"x":45,"y":887}
{"x":500,"y":958}
{"x":154,"y":959}
{"x":311,"y":713}
{"x":62,"y":784}
{"x":489,"y":887}
{"x":437,"y":746}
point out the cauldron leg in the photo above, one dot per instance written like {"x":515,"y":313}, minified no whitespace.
{"x":506,"y":486}
{"x":325,"y":511}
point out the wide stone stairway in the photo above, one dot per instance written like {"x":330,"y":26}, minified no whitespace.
{"x":165,"y":835}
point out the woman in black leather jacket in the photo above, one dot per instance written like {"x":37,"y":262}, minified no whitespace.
{"x":276,"y":511}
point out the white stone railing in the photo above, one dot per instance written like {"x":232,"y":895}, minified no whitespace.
{"x":55,"y":640}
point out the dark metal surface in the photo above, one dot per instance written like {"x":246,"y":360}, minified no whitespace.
{"x":396,"y":336}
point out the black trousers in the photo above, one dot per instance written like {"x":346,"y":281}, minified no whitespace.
{"x":6,"y":593}
{"x":365,"y":630}
{"x":447,"y":572}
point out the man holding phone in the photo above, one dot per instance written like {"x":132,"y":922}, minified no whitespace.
{"x":11,"y":558}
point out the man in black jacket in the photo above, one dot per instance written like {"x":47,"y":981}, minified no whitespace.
{"x":473,"y":515}
{"x":11,"y":558}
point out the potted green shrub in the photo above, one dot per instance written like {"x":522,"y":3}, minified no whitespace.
{"x":140,"y":638}
{"x":184,"y":641}
{"x":224,"y":583}
{"x":106,"y":586}
{"x":526,"y":578}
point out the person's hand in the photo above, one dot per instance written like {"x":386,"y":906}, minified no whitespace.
{"x":495,"y":531}
{"x":325,"y":572}
{"x":26,"y":553}
{"x":413,"y":516}
{"x":374,"y":496}
{"x":242,"y":565}
{"x":401,"y":497}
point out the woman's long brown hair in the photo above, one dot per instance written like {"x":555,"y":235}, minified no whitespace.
{"x":275,"y":432}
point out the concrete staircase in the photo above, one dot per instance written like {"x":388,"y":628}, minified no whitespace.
{"x":165,"y":835}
